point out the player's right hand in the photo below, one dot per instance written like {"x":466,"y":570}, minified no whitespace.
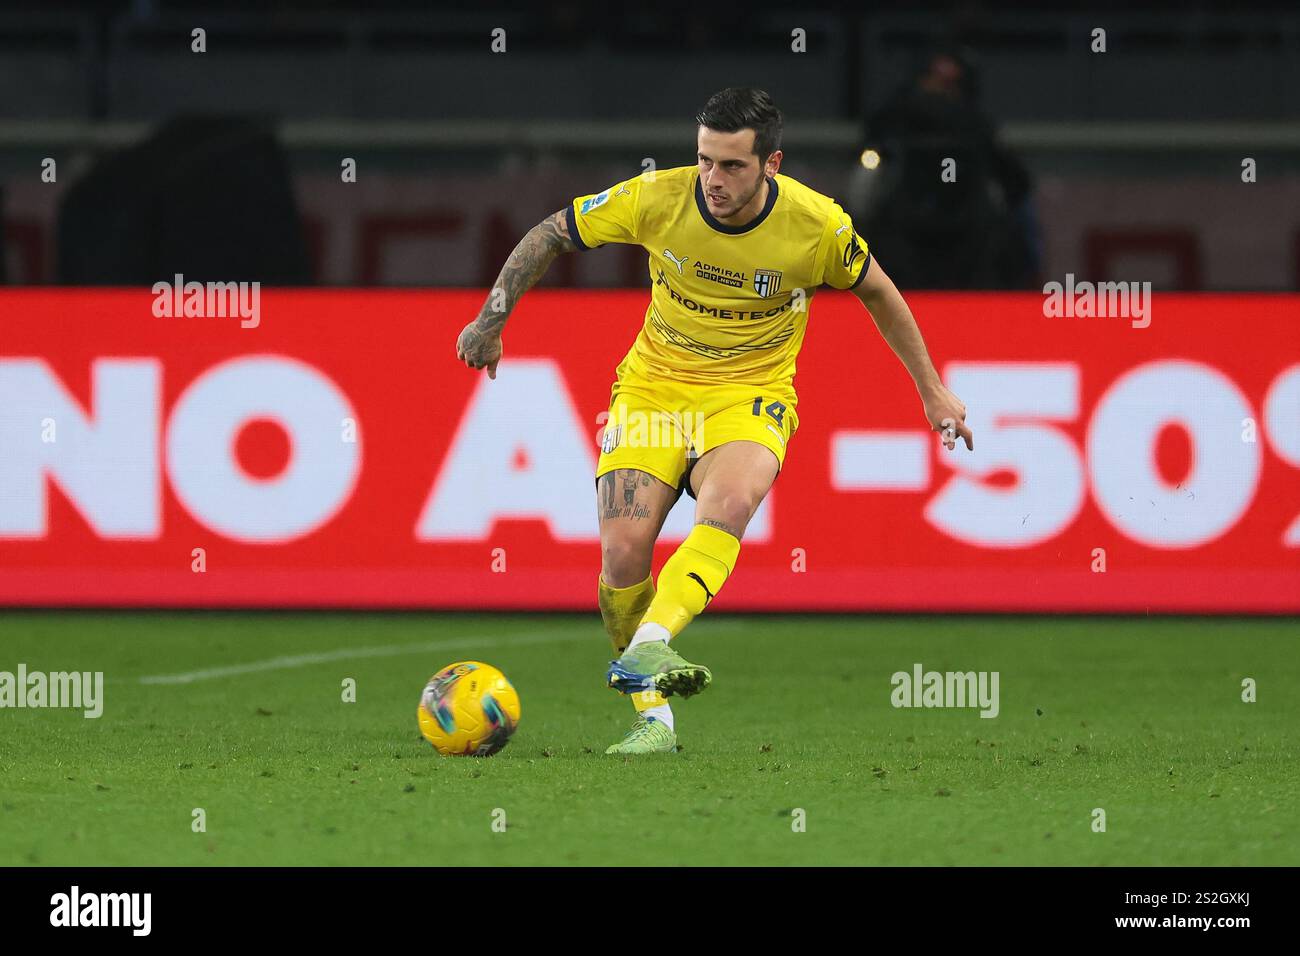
{"x":947,"y":416}
{"x":479,"y":349}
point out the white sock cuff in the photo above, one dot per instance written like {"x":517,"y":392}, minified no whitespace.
{"x":647,"y":632}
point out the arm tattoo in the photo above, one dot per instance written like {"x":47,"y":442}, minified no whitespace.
{"x":530,"y":260}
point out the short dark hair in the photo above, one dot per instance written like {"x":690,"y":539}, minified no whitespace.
{"x":743,"y":107}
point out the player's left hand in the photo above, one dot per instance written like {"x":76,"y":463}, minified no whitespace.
{"x":946,"y":414}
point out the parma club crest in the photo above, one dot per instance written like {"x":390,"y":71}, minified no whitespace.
{"x":767,"y":282}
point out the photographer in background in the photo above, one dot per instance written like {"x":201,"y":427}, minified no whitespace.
{"x":973,"y":228}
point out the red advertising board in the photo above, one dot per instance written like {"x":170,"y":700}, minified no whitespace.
{"x":336,"y":454}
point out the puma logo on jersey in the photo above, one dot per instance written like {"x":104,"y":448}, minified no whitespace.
{"x":623,"y":190}
{"x":841,"y":229}
{"x":668,"y":253}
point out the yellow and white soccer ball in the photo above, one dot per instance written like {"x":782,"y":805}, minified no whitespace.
{"x":468,"y":709}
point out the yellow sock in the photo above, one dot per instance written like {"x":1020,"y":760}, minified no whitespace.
{"x":691,"y":578}
{"x":622,"y":610}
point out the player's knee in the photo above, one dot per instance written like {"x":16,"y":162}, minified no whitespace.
{"x":625,"y":559}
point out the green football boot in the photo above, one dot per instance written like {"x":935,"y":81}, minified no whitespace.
{"x":654,"y":665}
{"x":647,"y":736}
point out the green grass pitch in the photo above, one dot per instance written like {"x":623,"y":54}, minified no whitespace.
{"x":1141,"y":717}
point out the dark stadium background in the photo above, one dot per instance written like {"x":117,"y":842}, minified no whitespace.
{"x":461,"y":150}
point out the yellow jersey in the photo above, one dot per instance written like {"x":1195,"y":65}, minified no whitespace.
{"x":728,"y":304}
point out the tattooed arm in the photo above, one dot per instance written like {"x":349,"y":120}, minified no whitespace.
{"x":479,"y":344}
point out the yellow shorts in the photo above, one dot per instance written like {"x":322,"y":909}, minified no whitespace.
{"x":662,"y":427}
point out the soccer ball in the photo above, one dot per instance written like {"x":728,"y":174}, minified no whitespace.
{"x":468,"y":709}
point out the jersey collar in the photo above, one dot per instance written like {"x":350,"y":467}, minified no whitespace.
{"x":722,"y":227}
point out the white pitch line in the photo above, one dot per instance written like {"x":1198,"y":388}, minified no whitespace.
{"x":389,"y":650}
{"x":353,"y":653}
